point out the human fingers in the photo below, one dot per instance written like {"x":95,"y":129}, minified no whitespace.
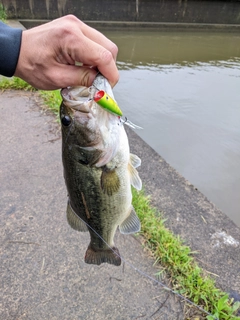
{"x":92,"y":54}
{"x":75,"y":76}
{"x":52,"y":79}
{"x":81,"y":43}
{"x":72,"y":25}
{"x":99,"y":38}
{"x":48,"y":48}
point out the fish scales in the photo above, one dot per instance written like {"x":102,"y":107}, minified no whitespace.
{"x":98,"y":172}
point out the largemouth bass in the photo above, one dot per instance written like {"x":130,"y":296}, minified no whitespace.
{"x":98,"y":170}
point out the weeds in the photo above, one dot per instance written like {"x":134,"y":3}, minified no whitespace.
{"x":16,"y":84}
{"x":186,"y":276}
{"x":52,"y":99}
{"x":3,"y":15}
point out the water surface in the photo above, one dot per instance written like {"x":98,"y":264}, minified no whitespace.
{"x":183,"y":88}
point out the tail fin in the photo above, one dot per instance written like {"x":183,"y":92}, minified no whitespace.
{"x":101,"y":256}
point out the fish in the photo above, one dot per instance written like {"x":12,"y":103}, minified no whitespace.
{"x":99,"y":171}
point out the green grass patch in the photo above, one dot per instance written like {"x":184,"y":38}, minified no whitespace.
{"x":15,"y":84}
{"x":3,"y":15}
{"x":52,"y":100}
{"x":173,"y":255}
{"x":186,"y":276}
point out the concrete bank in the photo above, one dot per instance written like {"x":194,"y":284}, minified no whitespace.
{"x":187,"y":11}
{"x":131,"y":25}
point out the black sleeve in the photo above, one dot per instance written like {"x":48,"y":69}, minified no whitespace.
{"x":10,"y":42}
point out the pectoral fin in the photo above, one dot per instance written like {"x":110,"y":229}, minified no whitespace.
{"x":131,"y":224}
{"x":74,"y":221}
{"x":135,"y":180}
{"x":110,"y":182}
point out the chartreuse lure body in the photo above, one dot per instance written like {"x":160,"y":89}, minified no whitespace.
{"x":106,"y":102}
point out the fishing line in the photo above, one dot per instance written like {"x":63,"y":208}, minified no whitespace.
{"x":151,"y":278}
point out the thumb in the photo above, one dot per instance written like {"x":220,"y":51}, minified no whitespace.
{"x":78,"y":76}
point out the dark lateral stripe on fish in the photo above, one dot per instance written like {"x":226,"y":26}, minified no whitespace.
{"x":103,"y":256}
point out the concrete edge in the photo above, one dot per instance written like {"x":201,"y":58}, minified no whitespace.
{"x":133,"y":25}
{"x":15,"y":24}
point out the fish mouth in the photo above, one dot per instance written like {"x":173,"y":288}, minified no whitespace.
{"x":78,"y":98}
{"x":81,"y":98}
{"x":93,"y":119}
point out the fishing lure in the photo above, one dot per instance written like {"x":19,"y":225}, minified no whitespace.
{"x":110,"y":105}
{"x":106,"y":102}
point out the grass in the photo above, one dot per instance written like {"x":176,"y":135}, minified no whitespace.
{"x":52,"y":100}
{"x":3,"y":15}
{"x":187,"y":278}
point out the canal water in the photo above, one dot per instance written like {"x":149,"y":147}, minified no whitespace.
{"x":183,"y":88}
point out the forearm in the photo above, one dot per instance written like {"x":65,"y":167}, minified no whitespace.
{"x":10,"y":43}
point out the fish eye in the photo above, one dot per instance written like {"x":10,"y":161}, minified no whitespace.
{"x":66,"y":120}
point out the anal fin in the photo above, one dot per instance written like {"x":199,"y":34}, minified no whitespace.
{"x":102,"y":256}
{"x":131,"y":224}
{"x":74,"y":221}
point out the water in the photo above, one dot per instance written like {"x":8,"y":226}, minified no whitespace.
{"x":183,"y":88}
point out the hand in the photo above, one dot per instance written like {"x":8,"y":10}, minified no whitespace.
{"x":48,"y":54}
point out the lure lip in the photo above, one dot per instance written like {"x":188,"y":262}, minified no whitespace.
{"x":98,"y":95}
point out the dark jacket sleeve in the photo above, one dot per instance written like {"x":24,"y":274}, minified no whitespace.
{"x":10,"y":42}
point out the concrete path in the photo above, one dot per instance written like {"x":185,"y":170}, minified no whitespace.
{"x":43,"y":274}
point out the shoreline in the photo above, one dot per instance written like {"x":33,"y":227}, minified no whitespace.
{"x":212,"y":236}
{"x":133,"y":25}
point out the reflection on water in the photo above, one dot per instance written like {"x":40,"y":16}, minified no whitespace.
{"x":168,"y":48}
{"x":184,"y":90}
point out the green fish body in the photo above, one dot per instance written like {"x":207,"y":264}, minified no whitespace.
{"x":99,"y":171}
